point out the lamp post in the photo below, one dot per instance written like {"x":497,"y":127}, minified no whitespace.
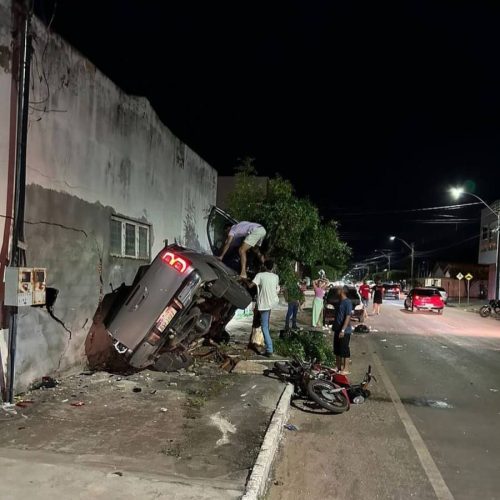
{"x":412,"y":248}
{"x":456,"y":193}
{"x":388,"y":257}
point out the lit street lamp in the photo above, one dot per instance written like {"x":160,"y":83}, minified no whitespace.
{"x":412,"y":248}
{"x":456,"y":193}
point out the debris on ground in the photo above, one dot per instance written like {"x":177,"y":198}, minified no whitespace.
{"x":78,"y":403}
{"x":164,"y":410}
{"x":136,"y":389}
{"x":362,"y":329}
{"x":45,"y":383}
{"x":291,"y":427}
{"x":494,"y":390}
{"x":24,"y":403}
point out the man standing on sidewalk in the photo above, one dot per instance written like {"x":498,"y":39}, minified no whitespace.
{"x":267,"y":284}
{"x":364,"y":291}
{"x":342,"y":332}
{"x":294,"y":297}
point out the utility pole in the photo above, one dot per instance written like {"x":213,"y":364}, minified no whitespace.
{"x":17,"y":253}
{"x":412,"y":248}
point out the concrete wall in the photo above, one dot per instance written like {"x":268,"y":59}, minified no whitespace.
{"x":94,"y":151}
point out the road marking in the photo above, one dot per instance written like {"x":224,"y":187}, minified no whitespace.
{"x":435,"y":478}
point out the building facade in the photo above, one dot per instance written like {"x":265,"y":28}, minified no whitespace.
{"x":488,"y":239}
{"x":106,"y":184}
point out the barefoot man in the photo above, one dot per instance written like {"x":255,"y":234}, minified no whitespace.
{"x":246,"y":235}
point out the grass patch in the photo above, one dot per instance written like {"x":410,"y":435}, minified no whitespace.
{"x":306,"y":345}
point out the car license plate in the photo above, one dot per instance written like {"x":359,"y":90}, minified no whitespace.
{"x":165,"y":318}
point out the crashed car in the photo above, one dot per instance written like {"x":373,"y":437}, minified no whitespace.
{"x":331,"y":302}
{"x":174,"y":303}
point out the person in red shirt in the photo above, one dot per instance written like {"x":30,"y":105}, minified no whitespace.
{"x":365,"y":291}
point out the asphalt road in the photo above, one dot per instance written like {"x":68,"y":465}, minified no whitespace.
{"x":431,"y":428}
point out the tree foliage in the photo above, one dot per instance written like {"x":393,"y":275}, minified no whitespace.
{"x":295,"y":230}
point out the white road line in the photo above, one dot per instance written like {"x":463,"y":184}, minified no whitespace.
{"x":435,"y":478}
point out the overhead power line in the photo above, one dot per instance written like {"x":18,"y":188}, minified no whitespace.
{"x":409,"y":210}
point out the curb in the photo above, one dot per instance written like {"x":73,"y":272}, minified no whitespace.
{"x":256,"y":484}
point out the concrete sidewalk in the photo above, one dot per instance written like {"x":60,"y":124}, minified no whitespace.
{"x":186,"y":435}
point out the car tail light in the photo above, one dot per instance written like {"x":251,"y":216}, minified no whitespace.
{"x":417,"y":297}
{"x":180,"y":264}
{"x":396,"y":290}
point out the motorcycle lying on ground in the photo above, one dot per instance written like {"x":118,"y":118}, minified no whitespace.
{"x":310,"y":382}
{"x":493,"y":307}
{"x":357,"y":393}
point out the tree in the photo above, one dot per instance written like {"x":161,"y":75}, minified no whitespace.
{"x":295,"y":231}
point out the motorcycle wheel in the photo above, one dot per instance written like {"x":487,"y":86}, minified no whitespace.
{"x":320,"y":391}
{"x":485,"y":311}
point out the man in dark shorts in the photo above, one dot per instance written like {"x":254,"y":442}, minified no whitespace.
{"x":342,"y":332}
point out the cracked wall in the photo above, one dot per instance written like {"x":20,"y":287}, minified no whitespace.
{"x":93,"y":151}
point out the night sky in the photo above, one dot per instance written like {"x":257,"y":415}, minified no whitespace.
{"x":369,"y":108}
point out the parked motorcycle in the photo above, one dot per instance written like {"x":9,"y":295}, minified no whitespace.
{"x":492,"y":308}
{"x":310,"y":382}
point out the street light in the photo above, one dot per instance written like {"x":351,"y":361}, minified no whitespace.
{"x":412,"y":248}
{"x":388,"y":257}
{"x":456,"y":192}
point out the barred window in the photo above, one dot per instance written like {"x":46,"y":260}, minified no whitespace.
{"x":129,"y":238}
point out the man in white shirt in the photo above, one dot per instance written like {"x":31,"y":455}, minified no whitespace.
{"x":246,"y":235}
{"x":267,"y":284}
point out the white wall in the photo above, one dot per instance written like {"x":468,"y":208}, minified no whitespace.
{"x":93,"y":151}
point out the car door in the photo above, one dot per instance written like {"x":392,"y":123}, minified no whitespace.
{"x":217,"y":221}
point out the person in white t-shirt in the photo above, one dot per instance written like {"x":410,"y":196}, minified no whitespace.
{"x":267,"y":284}
{"x":245,"y":235}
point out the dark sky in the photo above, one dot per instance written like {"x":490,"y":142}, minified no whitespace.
{"x":366,"y":107}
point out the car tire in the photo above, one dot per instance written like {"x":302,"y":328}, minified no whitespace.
{"x":412,"y":308}
{"x":232,"y":291}
{"x":440,"y":311}
{"x":238,"y":296}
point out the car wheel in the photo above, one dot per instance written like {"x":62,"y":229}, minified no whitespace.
{"x":231,"y":291}
{"x":237,"y":296}
{"x":440,"y":311}
{"x":412,"y":308}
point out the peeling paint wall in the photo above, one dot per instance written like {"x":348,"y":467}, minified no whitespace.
{"x":94,"y":151}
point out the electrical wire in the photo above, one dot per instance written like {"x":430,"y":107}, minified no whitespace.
{"x":409,"y":210}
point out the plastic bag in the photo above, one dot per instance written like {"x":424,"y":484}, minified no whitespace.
{"x":257,"y":337}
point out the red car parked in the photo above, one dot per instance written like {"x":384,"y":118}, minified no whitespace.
{"x":424,"y":298}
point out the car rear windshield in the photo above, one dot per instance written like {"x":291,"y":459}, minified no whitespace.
{"x":426,"y":292}
{"x":388,"y":287}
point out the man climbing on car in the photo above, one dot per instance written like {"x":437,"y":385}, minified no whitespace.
{"x":246,"y":235}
